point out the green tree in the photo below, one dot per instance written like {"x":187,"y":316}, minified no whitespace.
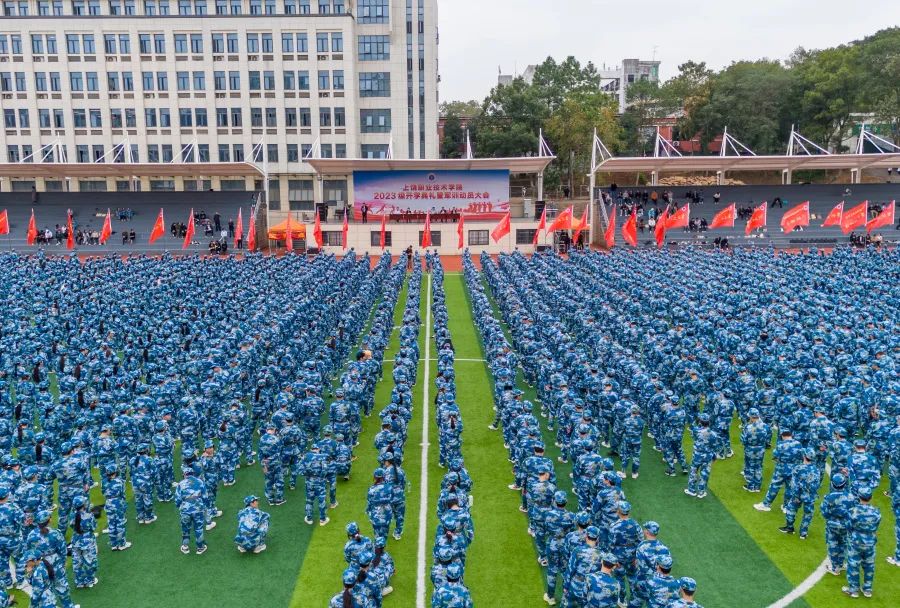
{"x":555,"y":81}
{"x":510,"y":120}
{"x":454,"y":137}
{"x":570,"y":131}
{"x":468,"y":109}
{"x":647,"y":103}
{"x":879,"y":61}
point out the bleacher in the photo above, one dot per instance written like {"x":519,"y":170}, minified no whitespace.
{"x":822,"y":199}
{"x":89,"y":212}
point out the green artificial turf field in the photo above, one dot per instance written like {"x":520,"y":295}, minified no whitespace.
{"x":736,"y":554}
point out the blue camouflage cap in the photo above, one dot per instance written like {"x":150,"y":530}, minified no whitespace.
{"x":593,"y":532}
{"x":664,"y":561}
{"x":652,"y":527}
{"x":349,"y":577}
{"x":352,"y":529}
{"x":454,"y":572}
{"x":624,"y":507}
{"x":560,"y":497}
{"x":250,"y":500}
{"x":688,"y":584}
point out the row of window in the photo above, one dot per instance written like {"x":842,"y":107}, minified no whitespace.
{"x":476,"y":238}
{"x":189,"y":152}
{"x":371,"y":121}
{"x":371,"y":84}
{"x":376,"y":11}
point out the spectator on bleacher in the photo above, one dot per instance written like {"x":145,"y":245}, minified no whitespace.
{"x":217,"y":221}
{"x":131,"y":236}
{"x":174,"y":229}
{"x":230,"y":228}
{"x":717,"y":197}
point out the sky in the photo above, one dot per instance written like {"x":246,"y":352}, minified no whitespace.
{"x":478,"y":36}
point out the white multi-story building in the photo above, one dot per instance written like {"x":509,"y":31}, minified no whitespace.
{"x":181,"y":81}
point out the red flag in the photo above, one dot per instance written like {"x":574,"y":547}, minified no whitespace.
{"x":383,"y":229}
{"x":797,"y":216}
{"x":661,"y":224}
{"x":629,"y":230}
{"x":542,"y":225}
{"x":289,"y":234}
{"x":502,"y":228}
{"x":582,"y":224}
{"x":317,"y":230}
{"x":106,"y":232}
{"x":32,"y":230}
{"x":460,"y":231}
{"x":239,"y":229}
{"x":835,"y":215}
{"x":855,"y":217}
{"x":189,"y":234}
{"x":4,"y":222}
{"x":725,"y":218}
{"x":610,"y":235}
{"x":426,"y":233}
{"x":680,"y":219}
{"x":251,"y":231}
{"x":885,"y":218}
{"x":70,"y":231}
{"x":159,"y":227}
{"x":563,"y":221}
{"x":758,"y":219}
{"x":345,"y":230}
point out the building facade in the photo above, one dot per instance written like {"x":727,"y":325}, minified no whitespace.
{"x":615,"y":80}
{"x":270,"y":82}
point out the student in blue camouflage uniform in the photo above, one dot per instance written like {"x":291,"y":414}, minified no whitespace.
{"x":756,"y":437}
{"x":864,"y":521}
{"x":316,"y":468}
{"x":558,"y":523}
{"x":452,"y":594}
{"x":584,"y":561}
{"x":687,"y":591}
{"x":632,"y":430}
{"x":271,"y":458}
{"x":706,"y":446}
{"x":253,"y":527}
{"x":210,"y":469}
{"x":12,"y":520}
{"x":116,"y":507}
{"x":84,"y":544}
{"x":662,"y":588}
{"x":647,"y":556}
{"x":805,"y":483}
{"x":624,"y":537}
{"x":51,"y":545}
{"x":191,"y":500}
{"x":836,"y":507}
{"x":788,"y":455}
{"x":603,"y":587}
{"x":143,"y":481}
{"x":37,"y":572}
{"x":379,"y":503}
{"x":163,"y":463}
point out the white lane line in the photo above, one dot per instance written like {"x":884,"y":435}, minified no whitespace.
{"x":423,"y":477}
{"x":803,"y":587}
{"x":456,"y":360}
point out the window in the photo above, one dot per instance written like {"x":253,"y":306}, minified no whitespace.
{"x":300,"y":194}
{"x":91,"y":79}
{"x":76,"y":81}
{"x":55,"y":82}
{"x":162,"y":185}
{"x":237,"y":151}
{"x":221,"y":7}
{"x":374,"y":48}
{"x":224,"y":153}
{"x":20,"y":81}
{"x":303,"y":80}
{"x":340,"y":117}
{"x":184,"y":7}
{"x":124,"y":44}
{"x":109,"y":44}
{"x":435,"y":237}
{"x":200,"y":117}
{"x":269,"y":80}
{"x":374,"y":150}
{"x":290,"y":81}
{"x":272,"y":153}
{"x":375,"y":238}
{"x":252,"y":43}
{"x":127,"y":81}
{"x":256,"y":117}
{"x":199,"y":81}
{"x":185,"y":117}
{"x":115,"y":119}
{"x":93,"y":7}
{"x":219,"y":81}
{"x":324,"y":117}
{"x":112,"y":81}
{"x":302,"y":43}
{"x":335,"y":190}
{"x":337,"y":43}
{"x":12,"y":154}
{"x":44,"y":119}
{"x":147,"y":81}
{"x":37,"y":44}
{"x":525,"y":236}
{"x":293,"y":155}
{"x":375,"y":121}
{"x":290,"y":7}
{"x":267,"y":44}
{"x":40,"y":81}
{"x":287,"y":43}
{"x":73,"y":44}
{"x":150,"y":118}
{"x":256,"y":7}
{"x":372,"y":11}
{"x":333,"y":238}
{"x":337,"y":80}
{"x":254,"y":80}
{"x":236,"y":117}
{"x":168,"y":153}
{"x":183,"y":81}
{"x":374,"y":84}
{"x":87,"y":41}
{"x":271,"y":117}
{"x":165,"y":119}
{"x":82,"y":154}
{"x":58,"y":121}
{"x":221,"y":117}
{"x":9,"y":119}
{"x":324,"y":79}
{"x":96,"y":120}
{"x":231,"y":41}
{"x":6,"y":81}
{"x":304,"y":7}
{"x":340,"y":150}
{"x":234,"y":81}
{"x":159,"y":44}
{"x":479,"y":238}
{"x":324,"y":7}
{"x":144,"y":43}
{"x":197,"y":43}
{"x":50,"y":39}
{"x":181,"y":43}
{"x":305,"y":118}
{"x":162,"y":81}
{"x":235,"y":7}
{"x":218,"y":43}
{"x":321,"y":42}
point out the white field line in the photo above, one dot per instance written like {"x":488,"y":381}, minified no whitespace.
{"x":801,"y":589}
{"x":423,"y":477}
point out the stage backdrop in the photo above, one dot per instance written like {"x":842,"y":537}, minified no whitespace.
{"x":481,"y":193}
